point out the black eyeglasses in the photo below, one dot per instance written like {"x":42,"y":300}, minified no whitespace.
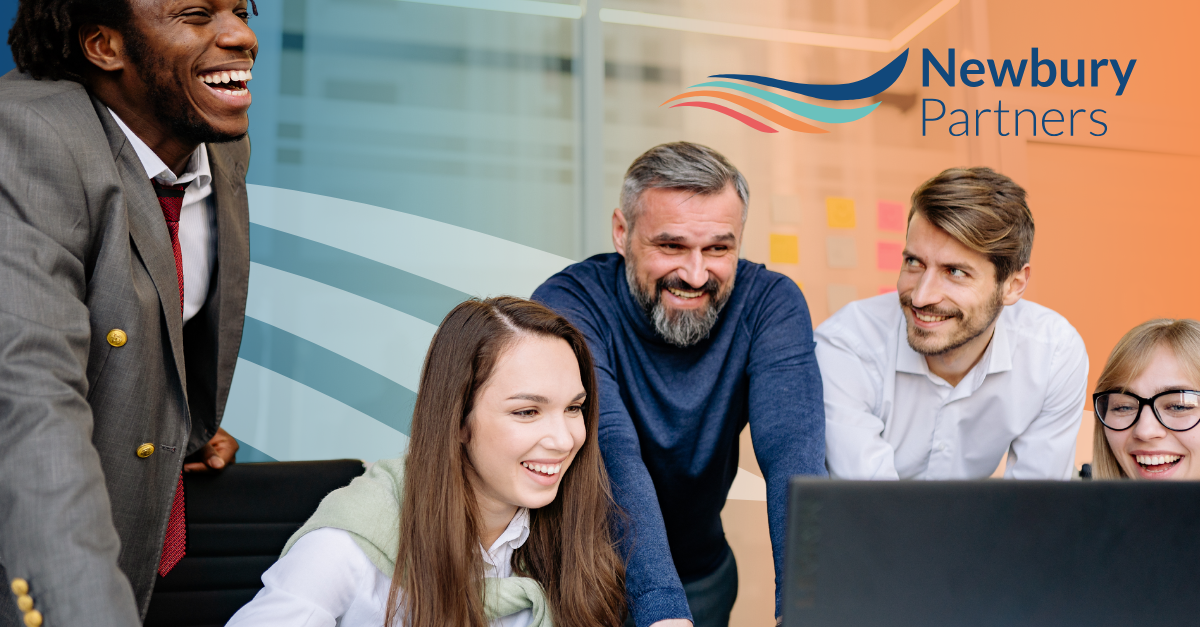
{"x":1176,"y":410}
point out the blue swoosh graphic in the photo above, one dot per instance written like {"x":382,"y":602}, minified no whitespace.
{"x":390,"y":342}
{"x":857,"y":90}
{"x":290,"y":421}
{"x":328,"y":373}
{"x":468,"y":261}
{"x":391,"y":287}
{"x":297,"y":376}
{"x":804,"y":109}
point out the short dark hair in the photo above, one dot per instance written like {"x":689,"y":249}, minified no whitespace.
{"x":984,"y":211}
{"x":45,"y":35}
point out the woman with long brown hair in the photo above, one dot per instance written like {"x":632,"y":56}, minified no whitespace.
{"x":499,"y":512}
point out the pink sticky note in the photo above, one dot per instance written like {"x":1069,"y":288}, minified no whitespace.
{"x":887,"y":255}
{"x":891,"y":216}
{"x":887,"y":289}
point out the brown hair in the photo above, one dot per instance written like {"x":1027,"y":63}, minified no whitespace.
{"x":1128,"y":360}
{"x":570,"y":550}
{"x":984,"y":211}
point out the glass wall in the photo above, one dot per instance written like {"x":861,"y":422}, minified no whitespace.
{"x":409,"y":154}
{"x":406,"y":156}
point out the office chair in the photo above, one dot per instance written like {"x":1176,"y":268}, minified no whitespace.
{"x":237,"y":523}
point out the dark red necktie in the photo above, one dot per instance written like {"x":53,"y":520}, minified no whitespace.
{"x":170,"y":198}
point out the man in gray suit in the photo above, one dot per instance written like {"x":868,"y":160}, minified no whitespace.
{"x":124,"y":263}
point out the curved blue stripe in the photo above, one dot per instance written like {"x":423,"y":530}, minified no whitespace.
{"x":328,"y":373}
{"x":804,"y":109}
{"x":247,"y":454}
{"x":857,"y":90}
{"x":391,"y":287}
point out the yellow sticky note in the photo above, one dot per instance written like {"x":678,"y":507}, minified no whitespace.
{"x":839,"y":212}
{"x":785,"y":248}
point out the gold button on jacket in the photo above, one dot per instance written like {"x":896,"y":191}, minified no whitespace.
{"x":33,"y":618}
{"x":145,"y":450}
{"x":25,"y":603}
{"x":20,"y":586}
{"x":117,"y":338}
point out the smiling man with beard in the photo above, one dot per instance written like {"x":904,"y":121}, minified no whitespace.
{"x":124,"y":263}
{"x":691,"y":344}
{"x":942,"y":379}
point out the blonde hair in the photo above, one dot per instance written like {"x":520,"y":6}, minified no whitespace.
{"x":1128,"y":360}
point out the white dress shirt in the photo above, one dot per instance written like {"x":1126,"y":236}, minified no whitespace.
{"x":888,"y":417}
{"x":327,"y":580}
{"x":196,"y":228}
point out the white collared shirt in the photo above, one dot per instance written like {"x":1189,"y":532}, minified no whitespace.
{"x":887,"y":416}
{"x":327,"y":580}
{"x":196,"y":229}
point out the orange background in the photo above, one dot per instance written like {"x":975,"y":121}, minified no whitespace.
{"x":1115,"y":215}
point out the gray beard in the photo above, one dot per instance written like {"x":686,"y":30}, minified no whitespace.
{"x":684,"y":328}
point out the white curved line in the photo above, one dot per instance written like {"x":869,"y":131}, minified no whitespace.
{"x":291,"y":421}
{"x":387,"y":341}
{"x":466,"y":260}
{"x":528,"y":7}
{"x":747,"y":31}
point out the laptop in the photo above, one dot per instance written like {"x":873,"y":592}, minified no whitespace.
{"x":992,"y":553}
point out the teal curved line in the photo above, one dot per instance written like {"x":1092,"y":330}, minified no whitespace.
{"x":810,"y":111}
{"x":329,"y":373}
{"x":391,"y":287}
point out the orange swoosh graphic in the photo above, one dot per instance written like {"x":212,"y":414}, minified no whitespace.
{"x":781,"y":119}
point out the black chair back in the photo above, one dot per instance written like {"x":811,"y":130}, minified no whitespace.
{"x":237,"y":523}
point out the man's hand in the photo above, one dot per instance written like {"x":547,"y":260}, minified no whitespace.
{"x":217,"y":454}
{"x":673,"y":622}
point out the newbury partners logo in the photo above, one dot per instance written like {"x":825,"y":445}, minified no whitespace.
{"x":754,"y":99}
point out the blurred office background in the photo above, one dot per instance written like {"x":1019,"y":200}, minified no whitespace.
{"x":409,"y":154}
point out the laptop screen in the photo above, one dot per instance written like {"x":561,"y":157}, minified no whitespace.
{"x":1004,"y":553}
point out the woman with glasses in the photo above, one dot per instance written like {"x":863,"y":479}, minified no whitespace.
{"x":1148,"y":404}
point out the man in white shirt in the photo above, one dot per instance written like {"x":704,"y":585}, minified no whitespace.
{"x":941,"y":379}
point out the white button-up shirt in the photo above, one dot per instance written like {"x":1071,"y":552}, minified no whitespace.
{"x":887,"y":416}
{"x":196,"y":242}
{"x":326,"y":580}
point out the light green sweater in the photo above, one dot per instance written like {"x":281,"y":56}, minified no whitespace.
{"x":369,"y":509}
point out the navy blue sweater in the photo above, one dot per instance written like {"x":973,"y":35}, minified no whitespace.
{"x":670,"y":417}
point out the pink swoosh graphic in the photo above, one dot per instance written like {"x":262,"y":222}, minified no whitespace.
{"x":778,"y":117}
{"x":740,"y":117}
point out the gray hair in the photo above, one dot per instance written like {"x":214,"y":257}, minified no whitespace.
{"x":680,"y":165}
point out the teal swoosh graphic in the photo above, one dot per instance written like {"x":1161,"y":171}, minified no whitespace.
{"x":804,"y":109}
{"x":392,"y":287}
{"x":290,"y":421}
{"x":328,"y":373}
{"x":307,"y":389}
{"x":468,"y":261}
{"x":247,"y":454}
{"x":387,"y":341}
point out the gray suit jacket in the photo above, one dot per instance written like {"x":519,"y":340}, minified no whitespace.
{"x":84,"y":249}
